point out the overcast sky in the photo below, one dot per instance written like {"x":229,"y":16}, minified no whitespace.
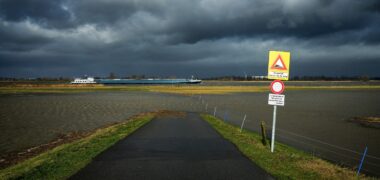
{"x":190,"y":37}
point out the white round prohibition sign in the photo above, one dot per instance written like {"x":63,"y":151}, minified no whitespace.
{"x":277,"y":87}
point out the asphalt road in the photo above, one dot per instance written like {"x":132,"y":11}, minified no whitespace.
{"x":173,"y":147}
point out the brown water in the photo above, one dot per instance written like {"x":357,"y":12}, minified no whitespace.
{"x":314,"y":121}
{"x":29,"y":120}
{"x":311,"y":120}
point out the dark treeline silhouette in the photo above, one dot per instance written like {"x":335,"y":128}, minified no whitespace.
{"x":138,"y":76}
{"x":220,"y":78}
{"x":63,"y":79}
{"x":295,"y":78}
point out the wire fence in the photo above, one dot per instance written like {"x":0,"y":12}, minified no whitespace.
{"x":340,"y":155}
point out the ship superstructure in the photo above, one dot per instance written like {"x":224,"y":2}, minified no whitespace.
{"x":88,"y":80}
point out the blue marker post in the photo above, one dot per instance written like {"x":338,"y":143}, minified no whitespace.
{"x":225,"y":116}
{"x":361,"y":162}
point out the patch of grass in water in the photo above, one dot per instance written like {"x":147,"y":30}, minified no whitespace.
{"x":372,"y":122}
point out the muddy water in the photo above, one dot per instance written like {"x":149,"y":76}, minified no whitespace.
{"x":314,"y":121}
{"x":29,"y":120}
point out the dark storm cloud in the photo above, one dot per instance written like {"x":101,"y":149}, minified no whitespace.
{"x":15,"y":38}
{"x":205,"y":37}
{"x":102,"y":12}
{"x":43,"y":12}
{"x":303,"y":19}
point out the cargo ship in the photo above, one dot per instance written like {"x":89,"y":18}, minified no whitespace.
{"x":148,"y":81}
{"x":91,"y":80}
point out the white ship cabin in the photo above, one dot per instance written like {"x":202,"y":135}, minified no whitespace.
{"x":89,"y":80}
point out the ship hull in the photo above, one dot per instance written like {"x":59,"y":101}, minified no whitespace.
{"x":148,"y":81}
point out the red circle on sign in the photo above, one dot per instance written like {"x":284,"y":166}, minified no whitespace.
{"x":277,"y":87}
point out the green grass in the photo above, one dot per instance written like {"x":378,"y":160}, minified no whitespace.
{"x":286,"y":162}
{"x":65,"y":160}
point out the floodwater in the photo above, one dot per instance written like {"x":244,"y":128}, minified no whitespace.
{"x":314,"y":121}
{"x":311,"y":120}
{"x":29,"y":120}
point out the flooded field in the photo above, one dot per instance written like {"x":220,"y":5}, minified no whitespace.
{"x":312,"y":120}
{"x":29,"y":120}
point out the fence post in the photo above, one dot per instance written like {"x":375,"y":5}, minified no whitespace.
{"x":242,"y":124}
{"x":206,"y":106}
{"x":361,"y":162}
{"x":263,"y":133}
{"x":225,"y":116}
{"x":214,"y":111}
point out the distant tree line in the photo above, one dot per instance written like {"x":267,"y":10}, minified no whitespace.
{"x":334,"y":78}
{"x":58,"y":79}
{"x":220,"y":78}
{"x":233,"y":78}
{"x":295,"y":78}
{"x":139,"y":76}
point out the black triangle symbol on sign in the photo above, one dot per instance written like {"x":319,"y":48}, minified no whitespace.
{"x":279,"y":64}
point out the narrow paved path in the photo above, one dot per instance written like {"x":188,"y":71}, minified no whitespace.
{"x":173,"y":147}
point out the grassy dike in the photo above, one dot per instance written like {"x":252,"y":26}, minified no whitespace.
{"x":286,"y":162}
{"x":63,"y":161}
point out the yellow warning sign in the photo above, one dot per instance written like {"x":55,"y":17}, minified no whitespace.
{"x":278,"y":66}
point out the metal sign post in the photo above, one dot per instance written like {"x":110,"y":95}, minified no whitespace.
{"x":275,"y":100}
{"x":273,"y":128}
{"x":278,"y":69}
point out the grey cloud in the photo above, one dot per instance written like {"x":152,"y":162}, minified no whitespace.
{"x":186,"y":37}
{"x":47,"y":13}
{"x":303,"y":19}
{"x":17,"y":38}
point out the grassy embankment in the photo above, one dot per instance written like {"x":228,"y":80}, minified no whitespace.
{"x":285,"y":162}
{"x":63,"y":161}
{"x":246,"y":89}
{"x":177,"y":89}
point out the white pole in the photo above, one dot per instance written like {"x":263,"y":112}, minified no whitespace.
{"x":214,"y":111}
{"x":273,"y":128}
{"x":242,"y":124}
